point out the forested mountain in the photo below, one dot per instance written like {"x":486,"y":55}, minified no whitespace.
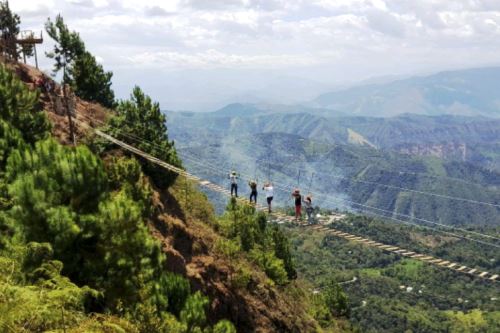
{"x":466,"y":139}
{"x":349,"y":163}
{"x":466,"y":92}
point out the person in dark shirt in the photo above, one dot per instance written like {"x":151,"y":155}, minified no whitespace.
{"x":298,"y":204}
{"x":253,"y":194}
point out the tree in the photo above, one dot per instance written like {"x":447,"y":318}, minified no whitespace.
{"x":90,"y":82}
{"x":68,"y":46}
{"x":9,"y":28}
{"x":335,"y":299}
{"x":282,"y":251}
{"x":177,"y":289}
{"x":141,"y":123}
{"x":193,"y":314}
{"x":60,"y":196}
{"x":19,"y":107}
{"x":80,"y":68}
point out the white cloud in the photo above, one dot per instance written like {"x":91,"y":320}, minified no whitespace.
{"x":324,"y":40}
{"x":211,"y":58}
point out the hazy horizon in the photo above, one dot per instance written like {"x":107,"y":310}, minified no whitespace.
{"x":201,"y":55}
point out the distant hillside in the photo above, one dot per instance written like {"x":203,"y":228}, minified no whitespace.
{"x":462,"y":92}
{"x":279,"y":145}
{"x":410,"y":128}
{"x":467,"y":139}
{"x":239,"y":119}
{"x":280,"y":156}
{"x":250,"y":109}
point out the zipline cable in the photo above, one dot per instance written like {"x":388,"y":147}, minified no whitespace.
{"x":350,"y":202}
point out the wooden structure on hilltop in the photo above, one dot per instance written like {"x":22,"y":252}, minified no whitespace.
{"x":27,"y":41}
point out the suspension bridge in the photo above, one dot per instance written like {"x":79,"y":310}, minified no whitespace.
{"x":326,"y":226}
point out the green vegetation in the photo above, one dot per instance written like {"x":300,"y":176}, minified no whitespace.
{"x":391,"y":294}
{"x":335,"y":299}
{"x":19,"y":108}
{"x":9,"y":29}
{"x":74,"y":238}
{"x":140,"y":117}
{"x":267,"y":246}
{"x":80,"y":68}
{"x":9,"y":21}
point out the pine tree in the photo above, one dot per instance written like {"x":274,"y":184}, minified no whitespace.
{"x":193,"y":314}
{"x":80,"y":68}
{"x":9,"y":28}
{"x":89,"y":80}
{"x":68,"y":46}
{"x":335,"y":299}
{"x":19,"y":107}
{"x":142,"y":118}
{"x":282,"y":251}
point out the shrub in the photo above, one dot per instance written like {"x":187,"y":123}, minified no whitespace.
{"x":177,"y":289}
{"x":224,"y":326}
{"x":241,"y":277}
{"x":227,"y":247}
{"x":335,"y":299}
{"x":19,"y":107}
{"x":272,"y":266}
{"x":193,"y":314}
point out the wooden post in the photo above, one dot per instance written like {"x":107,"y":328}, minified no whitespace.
{"x":36,"y":57}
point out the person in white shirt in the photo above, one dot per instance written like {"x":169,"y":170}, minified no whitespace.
{"x":268,"y":188}
{"x":234,"y":183}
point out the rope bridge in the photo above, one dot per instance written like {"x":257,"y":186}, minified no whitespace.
{"x":325,"y":228}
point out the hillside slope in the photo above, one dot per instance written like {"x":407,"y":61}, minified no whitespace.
{"x":183,"y":222}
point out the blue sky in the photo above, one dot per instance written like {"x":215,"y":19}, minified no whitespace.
{"x":201,"y":54}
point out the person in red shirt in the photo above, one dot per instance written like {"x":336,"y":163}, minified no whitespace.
{"x":298,"y":203}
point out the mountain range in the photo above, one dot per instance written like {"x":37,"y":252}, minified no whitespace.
{"x":350,"y":157}
{"x":464,"y":92}
{"x":438,"y":134}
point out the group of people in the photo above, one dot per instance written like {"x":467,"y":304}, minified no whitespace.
{"x":268,"y":188}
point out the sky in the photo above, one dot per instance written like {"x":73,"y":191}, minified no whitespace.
{"x":202,"y":54}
